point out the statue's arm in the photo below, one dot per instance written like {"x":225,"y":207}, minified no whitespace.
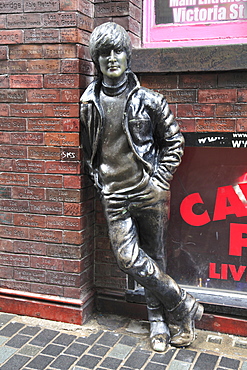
{"x":170,"y":143}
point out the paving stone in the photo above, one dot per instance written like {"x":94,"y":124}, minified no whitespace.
{"x":40,"y":362}
{"x":155,"y":366}
{"x":5,"y":353}
{"x":164,"y":358}
{"x":128,"y":340}
{"x":29,"y":350}
{"x":3,"y":339}
{"x":89,"y":362}
{"x":186,"y":355}
{"x":98,"y":350}
{"x":16,"y":362}
{"x":30,"y":330}
{"x":91,"y":338}
{"x":205,"y":361}
{"x":76,"y":349}
{"x":52,"y":350}
{"x":64,"y":339}
{"x":120,"y":351}
{"x":137,"y":359}
{"x":179,"y":365}
{"x":11,"y":329}
{"x":111,"y":363}
{"x":109,"y":339}
{"x":5,"y":317}
{"x":229,"y":363}
{"x":63,"y":362}
{"x":44,"y":337}
{"x":18,"y":341}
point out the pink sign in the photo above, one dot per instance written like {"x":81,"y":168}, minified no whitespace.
{"x":172,"y":23}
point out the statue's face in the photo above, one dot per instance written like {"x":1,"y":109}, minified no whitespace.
{"x":113,"y":64}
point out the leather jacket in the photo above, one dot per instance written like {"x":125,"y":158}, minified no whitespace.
{"x":152,"y":132}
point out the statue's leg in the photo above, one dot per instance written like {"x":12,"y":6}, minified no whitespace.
{"x":133,"y":260}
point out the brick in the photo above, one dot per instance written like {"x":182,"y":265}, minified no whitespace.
{"x":17,"y":285}
{"x":61,"y":278}
{"x":13,"y":232}
{"x":14,"y":205}
{"x":6,"y":218}
{"x":61,"y":81}
{"x":187,"y":125}
{"x":11,"y":37}
{"x":7,"y":6}
{"x":3,"y":52}
{"x":29,"y":220}
{"x":60,"y":51}
{"x":41,"y":6}
{"x":45,"y":235}
{"x":217,"y":96}
{"x":61,"y":139}
{"x":242,"y":96}
{"x":41,"y":36}
{"x":3,"y":21}
{"x":188,"y":80}
{"x":67,"y":19}
{"x":72,"y":292}
{"x":46,"y":263}
{"x":24,"y":21}
{"x":70,"y":35}
{"x":20,"y":192}
{"x":70,"y":154}
{"x":13,"y":179}
{"x":64,"y":251}
{"x":47,"y":289}
{"x":29,"y":275}
{"x":61,"y":110}
{"x":17,"y":66}
{"x":220,"y":125}
{"x":72,"y":182}
{"x":22,"y":165}
{"x":43,"y":66}
{"x":44,"y":153}
{"x":13,"y":124}
{"x":29,"y":247}
{"x":241,"y":124}
{"x":78,"y":266}
{"x":70,"y":66}
{"x":6,"y":272}
{"x":179,"y":96}
{"x":70,"y":96}
{"x":6,"y":245}
{"x":231,"y":110}
{"x":55,"y":181}
{"x":111,"y":9}
{"x":71,"y":124}
{"x":44,"y":124}
{"x":4,"y":109}
{"x":4,"y":81}
{"x":73,"y":237}
{"x":86,"y":67}
{"x":232,"y":79}
{"x":27,"y":138}
{"x":73,"y":209}
{"x":40,"y":96}
{"x":10,"y":259}
{"x":62,"y":167}
{"x":25,"y":51}
{"x":26,"y":81}
{"x":64,"y":223}
{"x":45,"y":207}
{"x":3,"y":67}
{"x":63,"y":195}
{"x":157,"y":82}
{"x":85,"y":22}
{"x":12,"y":96}
{"x":196,"y":110}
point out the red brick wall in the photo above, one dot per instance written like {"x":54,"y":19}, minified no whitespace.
{"x":46,"y":203}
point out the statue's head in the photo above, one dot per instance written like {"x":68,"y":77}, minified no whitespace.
{"x":109,"y":36}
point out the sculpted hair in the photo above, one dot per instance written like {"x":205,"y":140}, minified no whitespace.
{"x":107,"y":36}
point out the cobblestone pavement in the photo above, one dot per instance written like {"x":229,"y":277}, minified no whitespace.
{"x":108,"y":342}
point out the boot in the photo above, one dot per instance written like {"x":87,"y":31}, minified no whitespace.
{"x":159,"y":331}
{"x":183,"y":316}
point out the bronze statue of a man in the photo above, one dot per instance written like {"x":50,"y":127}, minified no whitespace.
{"x":132,"y":147}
